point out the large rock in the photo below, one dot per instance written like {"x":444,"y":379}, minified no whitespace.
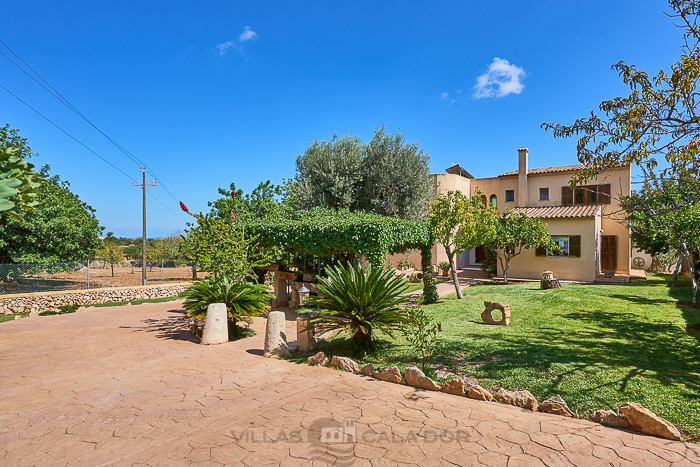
{"x":611,"y":418}
{"x":393,"y":375}
{"x":479,"y":393}
{"x":319,"y":359}
{"x":345,"y":364}
{"x":487,"y":316}
{"x":416,"y":378}
{"x":275,"y":335}
{"x":215,"y":325}
{"x":556,"y":406}
{"x":522,"y":398}
{"x":367,"y":369}
{"x":454,"y":386}
{"x":647,"y":422}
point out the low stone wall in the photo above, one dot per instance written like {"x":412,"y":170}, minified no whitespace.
{"x":50,"y":301}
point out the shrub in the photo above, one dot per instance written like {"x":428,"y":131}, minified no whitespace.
{"x":360,"y":302}
{"x":421,"y":333}
{"x":242,"y":300}
{"x":444,"y":265}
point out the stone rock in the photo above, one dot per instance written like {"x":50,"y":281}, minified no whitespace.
{"x":416,"y":378}
{"x":345,"y":364}
{"x":17,"y":316}
{"x":522,"y":398}
{"x":454,"y":386}
{"x":556,"y":406}
{"x":215,"y":325}
{"x":367,"y":370}
{"x":275,"y":337}
{"x":393,"y":375}
{"x":487,"y":317}
{"x":611,"y":418}
{"x":647,"y":422}
{"x":319,"y":359}
{"x":479,"y":393}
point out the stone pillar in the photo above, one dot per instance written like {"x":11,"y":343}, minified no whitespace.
{"x":275,"y":336}
{"x":215,"y":325}
{"x":305,"y":339}
{"x":280,"y":291}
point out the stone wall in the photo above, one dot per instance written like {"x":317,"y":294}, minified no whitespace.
{"x":50,"y":301}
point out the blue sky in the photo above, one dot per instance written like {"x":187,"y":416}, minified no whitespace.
{"x":207,"y":92}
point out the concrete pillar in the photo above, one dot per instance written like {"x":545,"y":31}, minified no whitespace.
{"x":215,"y":325}
{"x":275,"y":335}
{"x":281,"y":292}
{"x":305,"y":339}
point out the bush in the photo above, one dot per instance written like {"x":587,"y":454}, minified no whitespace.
{"x":360,"y":302}
{"x":242,"y":300}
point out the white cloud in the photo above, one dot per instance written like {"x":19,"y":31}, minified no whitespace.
{"x":458,"y":91}
{"x":246,"y":36}
{"x":223,"y":48}
{"x":501,"y":79}
{"x":453,"y":101}
{"x":444,"y":95}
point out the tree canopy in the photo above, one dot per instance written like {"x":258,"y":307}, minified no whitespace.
{"x":60,"y":228}
{"x":387,"y":176}
{"x":658,"y":119}
{"x":18,"y":183}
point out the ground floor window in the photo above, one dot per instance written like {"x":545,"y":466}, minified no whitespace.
{"x":569,"y":245}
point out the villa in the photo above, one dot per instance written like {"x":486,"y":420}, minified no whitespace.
{"x":585,"y":222}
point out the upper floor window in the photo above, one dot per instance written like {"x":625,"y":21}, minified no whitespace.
{"x":544,"y":194}
{"x":493,"y":201}
{"x":510,"y":195}
{"x":590,"y":194}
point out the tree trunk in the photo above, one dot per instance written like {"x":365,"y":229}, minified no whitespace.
{"x":112,"y":264}
{"x":679,"y":265}
{"x":505,"y":270}
{"x":453,"y":271}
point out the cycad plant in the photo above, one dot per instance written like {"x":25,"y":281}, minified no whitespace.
{"x":360,"y":302}
{"x":242,"y":300}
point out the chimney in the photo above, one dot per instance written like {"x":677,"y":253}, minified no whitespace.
{"x":522,"y":177}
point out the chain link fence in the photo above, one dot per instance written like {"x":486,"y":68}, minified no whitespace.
{"x":27,"y":278}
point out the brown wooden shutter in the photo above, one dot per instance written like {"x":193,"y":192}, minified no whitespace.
{"x":575,"y":245}
{"x":604,"y":194}
{"x":567,"y":196}
{"x":540,"y":251}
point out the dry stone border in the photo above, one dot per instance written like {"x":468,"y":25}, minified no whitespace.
{"x":633,"y":417}
{"x":34,"y":303}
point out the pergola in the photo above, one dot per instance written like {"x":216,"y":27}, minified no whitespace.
{"x":328,"y":233}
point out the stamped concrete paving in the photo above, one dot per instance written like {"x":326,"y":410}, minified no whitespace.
{"x":127,"y":386}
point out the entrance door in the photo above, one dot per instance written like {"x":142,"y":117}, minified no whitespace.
{"x":479,"y":255}
{"x":608,"y":253}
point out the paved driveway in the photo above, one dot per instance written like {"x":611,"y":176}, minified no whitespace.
{"x":127,"y":386}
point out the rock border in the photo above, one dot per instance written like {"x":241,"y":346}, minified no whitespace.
{"x":632,"y":416}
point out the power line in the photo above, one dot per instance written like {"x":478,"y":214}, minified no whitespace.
{"x":65,"y":102}
{"x":83,"y":145}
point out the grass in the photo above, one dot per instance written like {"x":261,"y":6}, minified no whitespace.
{"x":598,"y":346}
{"x":419,"y":285}
{"x":62,"y":310}
{"x":139,"y":302}
{"x":11,"y":317}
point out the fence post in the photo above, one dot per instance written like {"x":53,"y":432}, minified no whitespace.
{"x":88,"y":270}
{"x":161,"y":270}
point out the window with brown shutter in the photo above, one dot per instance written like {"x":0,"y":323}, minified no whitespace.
{"x":567,"y":196}
{"x":540,"y":251}
{"x":604,"y":193}
{"x":575,"y":245}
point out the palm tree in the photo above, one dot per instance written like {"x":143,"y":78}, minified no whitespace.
{"x":242,"y":300}
{"x":360,"y":302}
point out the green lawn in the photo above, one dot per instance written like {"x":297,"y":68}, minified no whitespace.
{"x":598,"y":346}
{"x":419,"y":285}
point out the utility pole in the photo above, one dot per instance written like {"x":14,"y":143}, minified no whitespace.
{"x":143,"y":237}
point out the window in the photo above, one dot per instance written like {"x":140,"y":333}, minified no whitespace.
{"x":494,"y":201}
{"x":483,"y":201}
{"x":510,"y":196}
{"x":569,"y":246}
{"x":591,"y":194}
{"x":544,"y":194}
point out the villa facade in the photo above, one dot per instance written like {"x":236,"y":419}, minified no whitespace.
{"x":586,"y":222}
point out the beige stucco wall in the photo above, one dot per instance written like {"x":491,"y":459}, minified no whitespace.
{"x":528,"y":266}
{"x":452,"y":182}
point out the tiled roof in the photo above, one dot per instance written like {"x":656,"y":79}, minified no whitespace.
{"x":548,"y":170}
{"x":549,"y":212}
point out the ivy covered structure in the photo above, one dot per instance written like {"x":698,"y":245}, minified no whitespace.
{"x":336,"y":236}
